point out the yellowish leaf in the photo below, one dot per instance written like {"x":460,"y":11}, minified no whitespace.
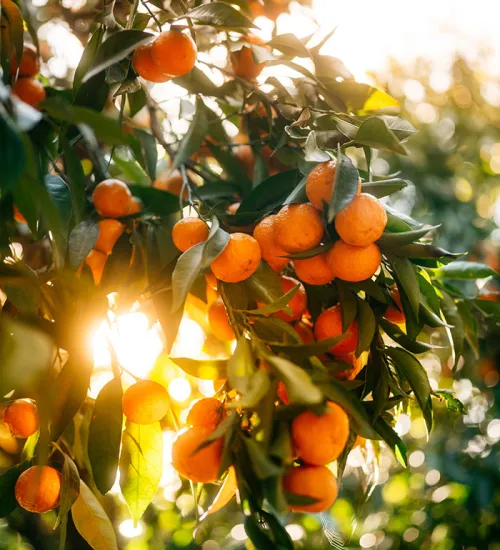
{"x":226,"y":493}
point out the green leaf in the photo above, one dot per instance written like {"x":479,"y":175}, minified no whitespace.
{"x":396,"y":334}
{"x":289,"y":44}
{"x":456,"y":332}
{"x":366,"y":326}
{"x":155,"y":201}
{"x":404,"y":237}
{"x":263,"y":467}
{"x":465,"y":270}
{"x":300,"y":350}
{"x":258,"y":387}
{"x":406,"y":279}
{"x":105,"y":432}
{"x":88,"y":57}
{"x":91,"y":521}
{"x":141,"y":464}
{"x":70,"y":488}
{"x":374,"y":132}
{"x":117,"y":47}
{"x":264,"y":285}
{"x":61,"y":196}
{"x":312,"y":153}
{"x":300,"y":388}
{"x":197,"y":82}
{"x":311,"y":252}
{"x":345,"y":186}
{"x":380,"y":393}
{"x":195,"y":135}
{"x":241,"y":366}
{"x":281,"y":304}
{"x":383,"y":188}
{"x":30,"y":444}
{"x":136,"y":101}
{"x":13,"y":154}
{"x":149,"y":151}
{"x":392,"y":439}
{"x":348,"y":305}
{"x":220,"y":15}
{"x":76,"y":179}
{"x":81,"y":241}
{"x":417,"y":377}
{"x":8,"y":502}
{"x":15,"y":26}
{"x":452,"y":403}
{"x":204,"y":369}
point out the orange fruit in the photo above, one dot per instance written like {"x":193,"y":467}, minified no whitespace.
{"x":96,"y":261}
{"x":21,"y":418}
{"x":144,"y":65}
{"x":112,"y":198}
{"x":211,"y":280}
{"x":219,"y":321}
{"x":38,"y":489}
{"x":305,"y":332}
{"x":29,"y":90}
{"x":329,"y":324}
{"x":244,"y":154}
{"x":353,"y":263}
{"x":201,"y":466}
{"x":243,"y":62}
{"x":206,"y":412}
{"x":109,"y":232}
{"x":321,"y":439}
{"x":314,"y":271}
{"x":256,"y":8}
{"x":392,"y":314}
{"x":313,"y":481}
{"x":188,"y":232}
{"x":18,"y":216}
{"x":174,"y":52}
{"x":171,"y":182}
{"x":297,"y":304}
{"x":29,"y":65}
{"x":319,"y":183}
{"x":239,"y":260}
{"x":135,"y":206}
{"x":357,"y":366}
{"x":145,"y":402}
{"x":298,"y":227}
{"x":362,"y":221}
{"x":360,"y":442}
{"x":282,"y":393}
{"x":271,"y":253}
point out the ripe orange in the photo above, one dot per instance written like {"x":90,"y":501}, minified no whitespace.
{"x":321,"y":439}
{"x":21,"y":418}
{"x":29,"y":65}
{"x":188,"y":232}
{"x":18,"y":216}
{"x":243,"y":62}
{"x":174,"y":52}
{"x":244,"y":153}
{"x":298,"y":227}
{"x":109,"y":232}
{"x":360,"y":442}
{"x":392,"y":314}
{"x":329,"y":324}
{"x":96,"y":261}
{"x":144,"y":65}
{"x":38,"y":489}
{"x":211,"y":280}
{"x":145,"y":402}
{"x":271,"y":253}
{"x":206,"y":412}
{"x":319,"y":183}
{"x":297,"y":304}
{"x":256,"y":8}
{"x":135,"y":206}
{"x":357,"y":366}
{"x":313,"y":481}
{"x":314,"y":271}
{"x":362,"y":221}
{"x":202,"y":466}
{"x":304,"y":331}
{"x":171,"y":182}
{"x":112,"y":198}
{"x":29,"y":90}
{"x":239,"y":260}
{"x":219,"y":321}
{"x":353,"y":263}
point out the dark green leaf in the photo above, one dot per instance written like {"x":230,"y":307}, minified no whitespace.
{"x":195,"y":135}
{"x":406,"y":279}
{"x":465,"y":270}
{"x":452,"y":403}
{"x":374,"y":132}
{"x":312,"y":153}
{"x":13,"y":154}
{"x":81,"y":241}
{"x":8,"y":502}
{"x":384,"y":188}
{"x":264,"y":285}
{"x":392,"y":439}
{"x":348,"y":305}
{"x":70,"y":488}
{"x":311,"y":252}
{"x":396,"y":334}
{"x":155,"y":201}
{"x":220,"y":15}
{"x":457,"y":330}
{"x":300,"y":350}
{"x":404,"y":237}
{"x":88,"y":57}
{"x":281,"y":304}
{"x":149,"y":152}
{"x":76,"y":179}
{"x":345,"y":186}
{"x":366,"y":326}
{"x":136,"y":101}
{"x":262,"y":465}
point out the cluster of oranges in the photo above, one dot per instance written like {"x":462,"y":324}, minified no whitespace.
{"x":172,"y":54}
{"x":26,"y":88}
{"x":112,"y":199}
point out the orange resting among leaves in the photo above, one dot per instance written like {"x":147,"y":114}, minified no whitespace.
{"x":18,"y":216}
{"x":145,"y":402}
{"x":392,"y":314}
{"x":206,"y":412}
{"x":297,"y":304}
{"x":314,"y":271}
{"x":243,"y":62}
{"x":219,"y":321}
{"x":357,"y":366}
{"x":271,"y":252}
{"x":29,"y":65}
{"x":353,"y":263}
{"x":282,"y":393}
{"x":21,"y":418}
{"x":38,"y":489}
{"x":112,"y":198}
{"x":312,"y":481}
{"x":174,"y":52}
{"x":321,"y":439}
{"x":298,"y":227}
{"x":239,"y":260}
{"x":319,"y":183}
{"x":188,"y":232}
{"x":29,"y":90}
{"x":329,"y":324}
{"x":202,"y":466}
{"x":362,"y":221}
{"x":96,"y":261}
{"x":144,"y":65}
{"x":172,"y":183}
{"x":135,"y":206}
{"x":257,"y":9}
{"x":304,"y":331}
{"x":109,"y":232}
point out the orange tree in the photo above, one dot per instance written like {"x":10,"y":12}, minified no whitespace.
{"x":328,"y":293}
